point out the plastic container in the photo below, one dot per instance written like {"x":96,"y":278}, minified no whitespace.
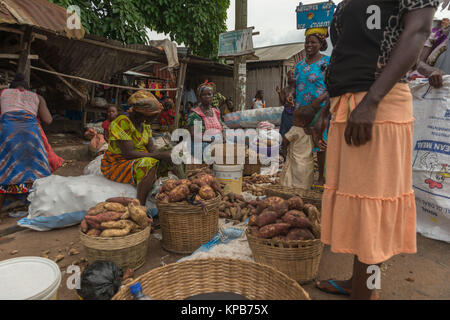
{"x":29,"y":278}
{"x":136,"y":291}
{"x":231,"y":176}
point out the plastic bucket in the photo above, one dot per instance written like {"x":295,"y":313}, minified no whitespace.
{"x":29,"y":278}
{"x":231,"y":176}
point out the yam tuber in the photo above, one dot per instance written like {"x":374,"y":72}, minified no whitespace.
{"x":109,"y":233}
{"x":297,"y":219}
{"x":163,"y":197}
{"x":94,"y":232}
{"x":84,"y":226}
{"x":179,"y":193}
{"x":273,"y":230}
{"x":265,"y":218}
{"x":122,"y":200}
{"x":169,"y":185}
{"x":138,"y":214}
{"x":104,"y":217}
{"x":295,"y":203}
{"x":121,"y":224}
{"x":206,"y":193}
{"x":299,"y":234}
{"x":116,"y":207}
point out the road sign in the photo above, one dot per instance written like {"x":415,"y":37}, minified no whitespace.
{"x":236,"y":43}
{"x":317,"y":15}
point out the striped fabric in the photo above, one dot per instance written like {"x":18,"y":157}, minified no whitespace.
{"x":16,"y":100}
{"x":116,"y":168}
{"x":23,"y":158}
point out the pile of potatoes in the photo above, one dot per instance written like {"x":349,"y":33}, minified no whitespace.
{"x":234,"y":207}
{"x":200,"y":187}
{"x":279,"y":219}
{"x":116,"y":217}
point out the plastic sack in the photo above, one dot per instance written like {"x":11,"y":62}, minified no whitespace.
{"x":94,"y":167}
{"x":101,"y":280}
{"x":252,"y":118}
{"x":233,"y":120}
{"x":431,"y":158}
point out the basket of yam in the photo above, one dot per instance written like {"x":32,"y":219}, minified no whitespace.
{"x":183,"y":280}
{"x":117,"y":230}
{"x":285,"y":234}
{"x":313,"y":197}
{"x":189,"y":212}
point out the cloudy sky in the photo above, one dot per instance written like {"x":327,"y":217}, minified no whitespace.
{"x":275,"y":20}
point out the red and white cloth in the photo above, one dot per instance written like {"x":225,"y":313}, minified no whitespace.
{"x":212,"y":124}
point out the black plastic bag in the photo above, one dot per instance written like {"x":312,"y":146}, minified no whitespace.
{"x":100,"y":281}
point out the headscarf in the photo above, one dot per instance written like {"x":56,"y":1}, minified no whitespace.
{"x":19,"y":81}
{"x":205,"y":85}
{"x":321,"y":34}
{"x":145,"y":103}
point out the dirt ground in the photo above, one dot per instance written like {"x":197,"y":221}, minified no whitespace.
{"x":422,"y":276}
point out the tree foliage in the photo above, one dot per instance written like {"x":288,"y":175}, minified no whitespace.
{"x":196,"y":23}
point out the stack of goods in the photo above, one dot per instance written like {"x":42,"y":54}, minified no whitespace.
{"x":286,"y":220}
{"x":234,"y":207}
{"x":117,"y":217}
{"x":197,"y":188}
{"x":256,"y":183}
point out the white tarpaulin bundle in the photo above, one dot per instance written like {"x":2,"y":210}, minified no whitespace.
{"x":431,"y":158}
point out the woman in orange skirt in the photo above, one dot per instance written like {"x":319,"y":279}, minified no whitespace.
{"x":368,"y":207}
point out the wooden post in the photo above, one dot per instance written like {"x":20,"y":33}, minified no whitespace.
{"x":240,"y":65}
{"x":180,"y":87}
{"x":24,"y":62}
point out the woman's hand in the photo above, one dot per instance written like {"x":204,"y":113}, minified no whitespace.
{"x":359,"y":126}
{"x":323,"y":145}
{"x":435,"y":78}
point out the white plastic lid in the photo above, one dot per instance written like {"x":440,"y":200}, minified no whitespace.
{"x":28,"y":278}
{"x":228,"y":168}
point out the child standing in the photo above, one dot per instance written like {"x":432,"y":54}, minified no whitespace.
{"x":298,"y":170}
{"x":112,"y":114}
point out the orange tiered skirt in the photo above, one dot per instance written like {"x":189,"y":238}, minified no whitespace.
{"x":368,"y":204}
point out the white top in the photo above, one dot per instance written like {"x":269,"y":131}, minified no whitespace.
{"x":258,"y":104}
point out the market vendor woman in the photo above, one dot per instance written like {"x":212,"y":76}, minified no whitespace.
{"x":205,"y":114}
{"x":131,"y":156}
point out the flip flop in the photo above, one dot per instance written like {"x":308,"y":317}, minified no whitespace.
{"x":338,"y":288}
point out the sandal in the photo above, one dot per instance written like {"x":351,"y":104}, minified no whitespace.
{"x":339,"y":291}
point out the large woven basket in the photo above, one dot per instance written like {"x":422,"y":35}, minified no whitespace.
{"x":127,"y":252}
{"x":298,"y":259}
{"x":313,"y":197}
{"x":186,"y":227}
{"x":182,"y":280}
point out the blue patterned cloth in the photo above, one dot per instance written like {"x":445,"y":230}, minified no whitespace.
{"x":310,"y":82}
{"x":23,"y":158}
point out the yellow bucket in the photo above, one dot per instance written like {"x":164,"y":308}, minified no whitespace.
{"x":231,"y":176}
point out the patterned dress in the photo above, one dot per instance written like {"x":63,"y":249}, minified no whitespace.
{"x":114,"y":166}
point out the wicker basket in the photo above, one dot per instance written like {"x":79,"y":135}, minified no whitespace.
{"x":186,"y":227}
{"x":298,"y":259}
{"x":313,"y":197}
{"x":127,"y":252}
{"x":182,"y":280}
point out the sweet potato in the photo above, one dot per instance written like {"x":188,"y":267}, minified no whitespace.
{"x":299,"y":234}
{"x":122,"y":200}
{"x":280,"y":208}
{"x":126,"y":215}
{"x":84,"y":226}
{"x":295,"y":203}
{"x":207,"y":193}
{"x":96,"y":210}
{"x":265,"y":218}
{"x":271,"y":201}
{"x":273,"y":230}
{"x":121,"y":224}
{"x":253,"y":230}
{"x":312,"y":212}
{"x":297,"y":219}
{"x":92,"y":224}
{"x":252,"y":220}
{"x":169,"y":185}
{"x":194,"y":188}
{"x":261,"y":207}
{"x":179,"y":193}
{"x":94,"y":232}
{"x":138,"y":214}
{"x":104,"y":217}
{"x":185,"y":182}
{"x":109,"y":233}
{"x":116,"y":207}
{"x":223,"y":215}
{"x":163,"y":197}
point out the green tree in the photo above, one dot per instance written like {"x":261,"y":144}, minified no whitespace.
{"x":196,"y":23}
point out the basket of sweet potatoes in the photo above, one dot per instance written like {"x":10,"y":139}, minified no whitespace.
{"x":116,"y":230}
{"x":285,"y":234}
{"x":189,"y":212}
{"x":313,"y":197}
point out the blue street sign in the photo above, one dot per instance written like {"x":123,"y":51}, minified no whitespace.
{"x":318,"y":15}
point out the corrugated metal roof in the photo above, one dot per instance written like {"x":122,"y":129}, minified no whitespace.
{"x":41,"y":14}
{"x":278,"y":52}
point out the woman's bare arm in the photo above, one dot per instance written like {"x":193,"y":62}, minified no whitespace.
{"x":129,"y":153}
{"x":43,"y":112}
{"x":417,"y":28}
